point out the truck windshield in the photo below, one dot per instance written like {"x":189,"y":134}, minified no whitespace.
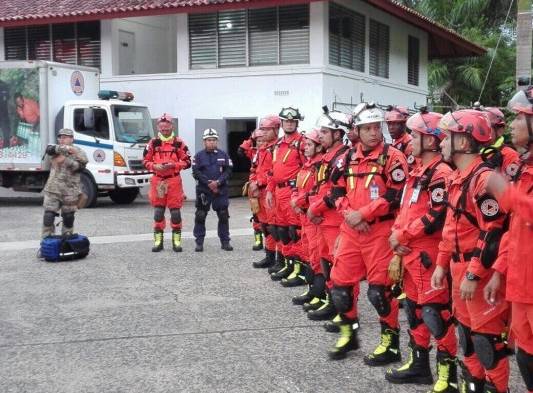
{"x":132,"y":124}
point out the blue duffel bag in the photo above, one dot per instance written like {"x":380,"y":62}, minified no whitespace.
{"x":64,"y":248}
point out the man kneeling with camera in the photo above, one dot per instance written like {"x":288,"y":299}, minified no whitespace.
{"x":62,"y":190}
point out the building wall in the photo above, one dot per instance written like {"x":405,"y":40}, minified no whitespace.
{"x":2,"y":52}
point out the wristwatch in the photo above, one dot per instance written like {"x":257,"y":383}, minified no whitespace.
{"x":472,"y":277}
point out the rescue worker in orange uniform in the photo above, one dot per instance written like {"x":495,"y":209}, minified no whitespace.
{"x":469,"y":246}
{"x":305,"y":183}
{"x":498,"y":154}
{"x":166,"y":156}
{"x":287,"y":159}
{"x":396,"y":117}
{"x":266,"y":134}
{"x":248,"y":149}
{"x":415,"y":237}
{"x":514,"y":263}
{"x":322,"y":209}
{"x":373,"y":175}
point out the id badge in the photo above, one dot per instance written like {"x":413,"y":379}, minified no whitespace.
{"x":374,"y":192}
{"x":416,"y":194}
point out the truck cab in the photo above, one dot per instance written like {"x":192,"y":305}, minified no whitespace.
{"x":113,"y":131}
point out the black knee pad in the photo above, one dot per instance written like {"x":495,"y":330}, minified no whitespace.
{"x":485,"y":349}
{"x":175,"y":216}
{"x":68,"y":219}
{"x":525,"y":365}
{"x":318,"y":286}
{"x":283,"y":234}
{"x":410,"y":307}
{"x":465,"y":339}
{"x":342,"y":298}
{"x":264,"y":229}
{"x":199,"y":216}
{"x":273,"y":230}
{"x":431,"y":315}
{"x":377,"y":297}
{"x":326,"y":268}
{"x":48,"y":218}
{"x":159,"y":213}
{"x":223,"y":215}
{"x":293,"y":232}
{"x":308,"y":272}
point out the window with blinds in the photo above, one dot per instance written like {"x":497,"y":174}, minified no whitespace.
{"x":413,"y":60}
{"x":254,"y":37}
{"x":71,"y":43}
{"x":346,"y":38}
{"x":379,"y":42}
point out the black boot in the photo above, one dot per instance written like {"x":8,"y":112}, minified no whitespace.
{"x":470,"y":384}
{"x":285,"y":271}
{"x":491,"y":388}
{"x":299,"y":275}
{"x":325,"y":312}
{"x":525,"y":365}
{"x":416,"y":370}
{"x":315,"y":289}
{"x":446,"y":374}
{"x":258,"y":244}
{"x":348,"y":340}
{"x":267,"y":261}
{"x":333,"y":325}
{"x":158,"y":240}
{"x":278,"y":264}
{"x":226,"y":246}
{"x":388,"y":350}
{"x":199,"y":247}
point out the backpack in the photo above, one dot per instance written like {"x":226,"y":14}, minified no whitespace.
{"x":64,"y":248}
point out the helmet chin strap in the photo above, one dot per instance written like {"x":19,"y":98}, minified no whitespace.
{"x":457,"y":151}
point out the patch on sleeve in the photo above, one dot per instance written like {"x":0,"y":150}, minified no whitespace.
{"x":398,"y":175}
{"x":437,"y":195}
{"x":490,"y":209}
{"x":512,"y":169}
{"x":411,"y":159}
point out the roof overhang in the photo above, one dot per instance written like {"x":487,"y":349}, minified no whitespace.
{"x":442,"y":42}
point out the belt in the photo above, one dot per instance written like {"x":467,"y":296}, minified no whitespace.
{"x":466,"y":257}
{"x":286,"y":183}
{"x":165,"y":177}
{"x":386,"y":217}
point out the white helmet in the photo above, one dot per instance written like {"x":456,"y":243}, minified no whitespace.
{"x":370,"y":115}
{"x":210,"y":133}
{"x":335,"y":120}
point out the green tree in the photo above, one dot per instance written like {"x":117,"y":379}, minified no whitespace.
{"x":482,"y":22}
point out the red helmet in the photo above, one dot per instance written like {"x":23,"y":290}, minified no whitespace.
{"x":496,"y":116}
{"x":396,"y":114}
{"x":312,"y":135}
{"x":468,"y":121}
{"x":165,"y":117}
{"x":270,"y":121}
{"x":426,"y":123}
{"x":522,"y":101}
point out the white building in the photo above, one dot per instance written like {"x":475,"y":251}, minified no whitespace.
{"x":228,"y":63}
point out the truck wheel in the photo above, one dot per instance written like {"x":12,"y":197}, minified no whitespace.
{"x":124,"y":196}
{"x":89,"y":188}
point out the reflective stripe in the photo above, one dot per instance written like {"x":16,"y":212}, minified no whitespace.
{"x":286,"y":156}
{"x":369,"y":178}
{"x":351,"y":180}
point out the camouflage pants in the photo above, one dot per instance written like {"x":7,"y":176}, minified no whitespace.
{"x":54,"y":204}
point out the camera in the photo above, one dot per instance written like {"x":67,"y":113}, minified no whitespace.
{"x":52,"y":150}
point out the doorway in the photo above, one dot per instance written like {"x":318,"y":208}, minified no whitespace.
{"x":239,"y":130}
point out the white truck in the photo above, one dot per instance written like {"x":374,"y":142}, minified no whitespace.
{"x":37,"y":98}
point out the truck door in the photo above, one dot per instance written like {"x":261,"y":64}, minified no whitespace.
{"x":92,"y":133}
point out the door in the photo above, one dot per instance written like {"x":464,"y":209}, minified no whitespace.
{"x":126,"y":52}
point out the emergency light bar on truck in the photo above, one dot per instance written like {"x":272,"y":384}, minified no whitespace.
{"x":115,"y":95}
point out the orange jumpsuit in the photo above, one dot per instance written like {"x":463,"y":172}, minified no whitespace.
{"x":305,"y":183}
{"x":517,"y":266}
{"x":405,"y":145}
{"x":373,"y":183}
{"x":472,"y":214}
{"x":418,"y":226}
{"x":287,"y":160}
{"x":260,"y":174}
{"x":322,"y":204}
{"x":166,"y":188}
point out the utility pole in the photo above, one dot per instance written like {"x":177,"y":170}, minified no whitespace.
{"x":524,"y":30}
